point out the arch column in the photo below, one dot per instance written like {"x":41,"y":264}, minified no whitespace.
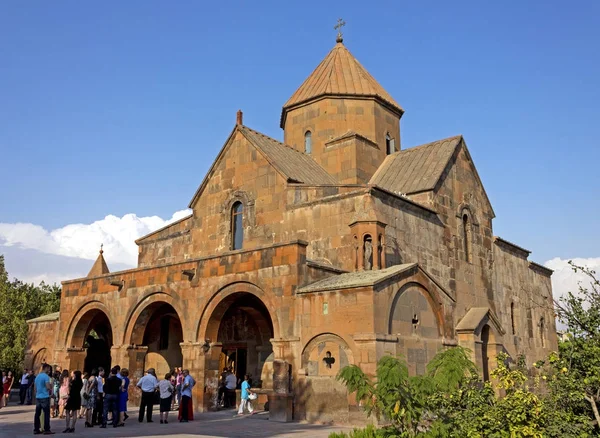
{"x":202,"y":360}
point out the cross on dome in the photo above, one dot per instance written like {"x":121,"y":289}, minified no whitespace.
{"x":340,"y":23}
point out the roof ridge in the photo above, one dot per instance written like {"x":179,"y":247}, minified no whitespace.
{"x":274,"y":139}
{"x":426,"y":144}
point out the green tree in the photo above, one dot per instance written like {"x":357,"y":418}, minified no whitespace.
{"x":19,"y":302}
{"x":580,"y":352}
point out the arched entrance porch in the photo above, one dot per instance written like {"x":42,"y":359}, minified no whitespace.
{"x":92,"y":336}
{"x":158,"y":330}
{"x":242,"y":327}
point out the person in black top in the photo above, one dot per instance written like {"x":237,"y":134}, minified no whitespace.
{"x":112,"y":386}
{"x":74,"y":401}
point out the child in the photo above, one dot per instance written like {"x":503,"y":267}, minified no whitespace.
{"x":246,"y":403}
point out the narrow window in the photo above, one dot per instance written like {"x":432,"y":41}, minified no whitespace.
{"x":237,"y":229}
{"x":368,"y":253}
{"x":380,"y":252}
{"x":308,"y":142}
{"x":163,"y":343}
{"x":512,"y":318}
{"x":542,"y":332}
{"x":467,"y":237}
{"x":390,"y":147}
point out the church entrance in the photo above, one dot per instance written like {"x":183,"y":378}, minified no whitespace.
{"x":245,"y":331}
{"x":94,"y":334}
{"x":159,"y":329}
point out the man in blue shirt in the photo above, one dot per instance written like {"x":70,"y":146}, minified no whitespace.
{"x":42,"y":400}
{"x":186,"y":395}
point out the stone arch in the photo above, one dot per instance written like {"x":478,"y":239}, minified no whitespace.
{"x":322,"y":347}
{"x":218,"y":303}
{"x":83,"y":316}
{"x":433,"y":302}
{"x":141,"y":306}
{"x":38,"y":359}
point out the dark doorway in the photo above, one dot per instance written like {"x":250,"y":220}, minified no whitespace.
{"x":485,"y":339}
{"x":245,"y":332}
{"x":98,"y":342}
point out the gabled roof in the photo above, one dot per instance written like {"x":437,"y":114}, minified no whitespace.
{"x":474,"y":318}
{"x":339,"y":74}
{"x":100,"y":267}
{"x":293,"y":165}
{"x":416,"y":169}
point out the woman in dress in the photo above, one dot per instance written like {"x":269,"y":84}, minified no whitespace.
{"x":63,"y":393}
{"x":123,"y":396}
{"x":84,"y":386}
{"x":55,"y":389}
{"x":90,"y":397}
{"x":7,"y":383}
{"x":73,"y":403}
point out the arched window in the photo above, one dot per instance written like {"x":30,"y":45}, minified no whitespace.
{"x":368,"y":252}
{"x":466,"y":224}
{"x":542,"y":332}
{"x":380,"y":252}
{"x":308,"y":142}
{"x":390,"y":146}
{"x":237,"y":228}
{"x":512,"y":318}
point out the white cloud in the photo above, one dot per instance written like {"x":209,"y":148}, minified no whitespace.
{"x":118,"y":234}
{"x":564,"y":279}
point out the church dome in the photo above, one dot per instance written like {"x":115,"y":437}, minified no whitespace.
{"x":339,"y":75}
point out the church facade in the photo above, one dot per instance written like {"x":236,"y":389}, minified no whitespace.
{"x":334,"y":247}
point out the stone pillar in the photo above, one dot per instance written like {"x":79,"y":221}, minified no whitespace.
{"x":75,"y":359}
{"x":202,"y":361}
{"x":134,"y":360}
{"x":119,"y":355}
{"x":281,"y":398}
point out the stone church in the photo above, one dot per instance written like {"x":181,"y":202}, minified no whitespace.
{"x":336,"y":246}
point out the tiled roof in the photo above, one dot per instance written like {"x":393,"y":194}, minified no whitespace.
{"x":356,"y":279}
{"x":416,"y":169}
{"x":340,"y":74}
{"x":296,"y":166}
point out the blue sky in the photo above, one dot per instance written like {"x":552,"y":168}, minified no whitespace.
{"x":120,"y":107}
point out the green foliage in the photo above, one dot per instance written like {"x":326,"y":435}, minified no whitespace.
{"x":19,"y":302}
{"x":368,"y":432}
{"x":577,"y":369}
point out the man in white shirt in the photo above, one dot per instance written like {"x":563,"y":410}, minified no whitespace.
{"x":148,"y":385}
{"x":98,"y":412}
{"x":230,"y":385}
{"x":23,"y":387}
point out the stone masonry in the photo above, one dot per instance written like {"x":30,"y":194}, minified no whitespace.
{"x":351,"y":248}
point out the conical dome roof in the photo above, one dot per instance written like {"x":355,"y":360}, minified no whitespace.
{"x":339,"y":74}
{"x":100,"y":267}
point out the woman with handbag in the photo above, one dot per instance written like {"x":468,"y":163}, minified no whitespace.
{"x":166,"y":389}
{"x":90,"y":397}
{"x":63,"y":393}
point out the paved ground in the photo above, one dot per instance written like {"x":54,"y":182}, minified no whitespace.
{"x":17,"y":421}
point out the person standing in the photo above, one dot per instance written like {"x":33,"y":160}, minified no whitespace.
{"x":73,"y":403}
{"x":178,"y":383}
{"x":84,"y":385}
{"x":42,"y":400}
{"x":245,"y":395}
{"x":148,"y":385}
{"x":99,"y":407}
{"x":166,"y":389}
{"x":90,"y":398}
{"x":112,"y":388}
{"x":23,"y":386}
{"x":30,"y":384}
{"x":7,"y":384}
{"x":63,"y":393}
{"x":124,"y":396}
{"x":186,"y":396}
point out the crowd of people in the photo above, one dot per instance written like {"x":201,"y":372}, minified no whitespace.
{"x":98,"y":398}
